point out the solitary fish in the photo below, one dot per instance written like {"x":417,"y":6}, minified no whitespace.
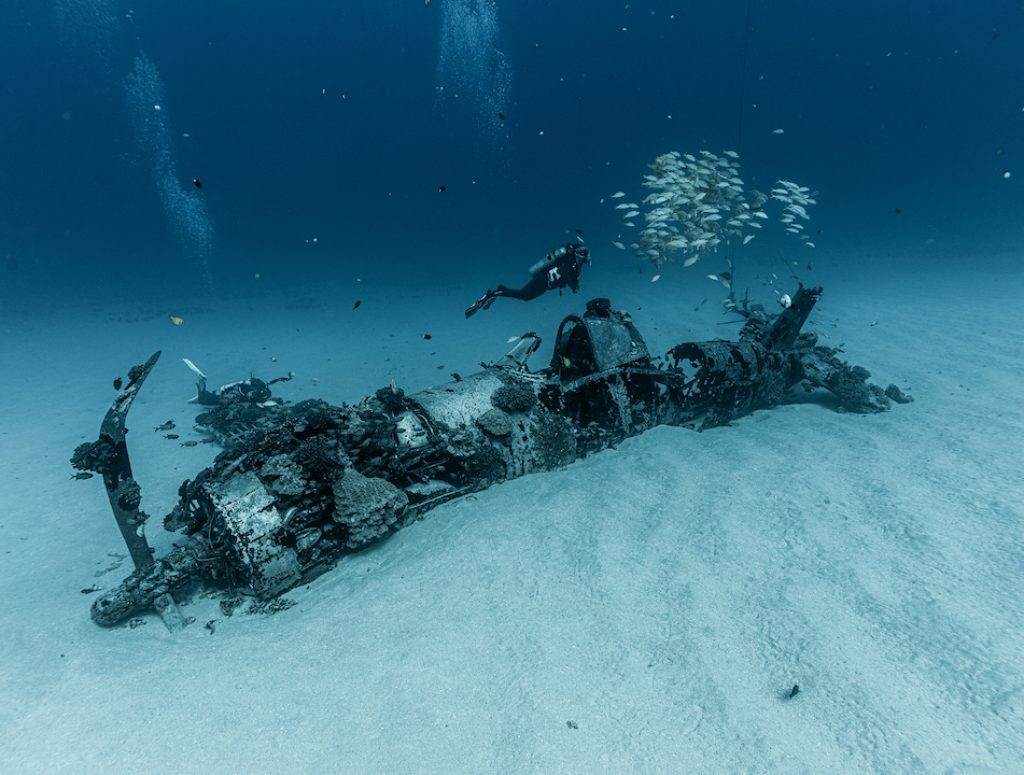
{"x":655,"y":278}
{"x":176,"y":320}
{"x":618,"y":195}
{"x":618,"y":244}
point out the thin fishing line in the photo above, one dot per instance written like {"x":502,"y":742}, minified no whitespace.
{"x":743,"y":78}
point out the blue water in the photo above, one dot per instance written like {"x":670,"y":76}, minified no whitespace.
{"x":340,"y":121}
{"x":648,"y":609}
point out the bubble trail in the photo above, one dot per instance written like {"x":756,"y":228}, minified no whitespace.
{"x":471,"y":68}
{"x":184,"y":207}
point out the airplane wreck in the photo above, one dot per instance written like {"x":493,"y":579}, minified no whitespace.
{"x":299,"y":486}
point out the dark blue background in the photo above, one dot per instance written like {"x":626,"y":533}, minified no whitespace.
{"x":910,"y":105}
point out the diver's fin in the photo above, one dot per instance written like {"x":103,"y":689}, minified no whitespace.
{"x":483,"y":302}
{"x":195,"y":369}
{"x":518,"y":357}
{"x":200,"y":382}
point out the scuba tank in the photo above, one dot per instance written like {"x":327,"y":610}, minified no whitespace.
{"x":549,"y":261}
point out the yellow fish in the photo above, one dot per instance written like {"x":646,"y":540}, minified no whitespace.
{"x":176,"y":320}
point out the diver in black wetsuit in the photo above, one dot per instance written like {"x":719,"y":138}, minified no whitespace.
{"x":558,"y":269}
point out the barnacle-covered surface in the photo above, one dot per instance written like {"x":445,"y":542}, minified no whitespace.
{"x":514,"y":397}
{"x":298,"y":486}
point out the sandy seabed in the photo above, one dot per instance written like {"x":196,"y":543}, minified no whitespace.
{"x":647,"y":609}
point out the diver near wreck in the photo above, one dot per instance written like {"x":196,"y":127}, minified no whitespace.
{"x":300,"y":486}
{"x":250,"y":391}
{"x":558,"y":269}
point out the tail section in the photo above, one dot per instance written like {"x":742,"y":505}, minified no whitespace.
{"x":783,"y":334}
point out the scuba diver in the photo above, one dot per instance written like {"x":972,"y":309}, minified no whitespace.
{"x":557,"y":269}
{"x":249,"y":391}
